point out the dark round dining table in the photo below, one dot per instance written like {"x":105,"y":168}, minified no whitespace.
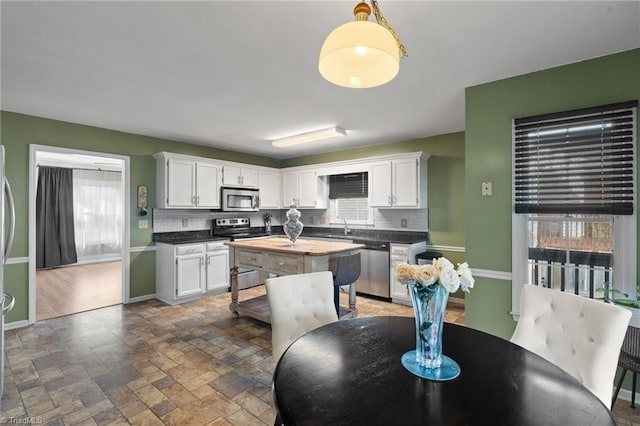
{"x":349,"y":373}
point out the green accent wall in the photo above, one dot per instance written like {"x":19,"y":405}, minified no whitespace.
{"x":143,"y":272}
{"x":18,"y":131}
{"x":445,"y":184}
{"x":490,"y":109}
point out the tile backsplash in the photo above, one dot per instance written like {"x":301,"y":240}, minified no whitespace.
{"x":175,"y":220}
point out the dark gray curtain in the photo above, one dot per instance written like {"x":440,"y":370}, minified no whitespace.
{"x":55,"y":239}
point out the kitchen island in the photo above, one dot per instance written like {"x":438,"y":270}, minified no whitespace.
{"x":278,"y":256}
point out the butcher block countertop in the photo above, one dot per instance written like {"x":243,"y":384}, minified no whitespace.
{"x":302,"y":246}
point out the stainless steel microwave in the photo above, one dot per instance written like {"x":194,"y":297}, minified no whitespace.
{"x":240,"y":199}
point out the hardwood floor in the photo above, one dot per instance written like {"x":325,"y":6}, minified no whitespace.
{"x":78,"y":288}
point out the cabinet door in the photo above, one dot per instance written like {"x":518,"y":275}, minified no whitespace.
{"x":231,"y":176}
{"x":218,"y":270}
{"x":380,"y":185}
{"x":269,"y":184}
{"x":290,"y":189}
{"x":189,"y":275}
{"x":405,"y":183}
{"x":249,"y":178}
{"x":181,"y":183}
{"x":398,"y":291}
{"x":308,"y":190}
{"x":208,"y":185}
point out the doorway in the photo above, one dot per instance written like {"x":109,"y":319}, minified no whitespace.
{"x":96,"y":274}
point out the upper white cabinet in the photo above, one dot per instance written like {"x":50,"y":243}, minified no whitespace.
{"x":269,"y":185}
{"x":305,"y":189}
{"x":398,"y":183}
{"x":183,"y":182}
{"x":240,"y":176}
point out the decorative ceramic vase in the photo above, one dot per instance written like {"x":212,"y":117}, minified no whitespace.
{"x":293,"y":227}
{"x":429,"y":306}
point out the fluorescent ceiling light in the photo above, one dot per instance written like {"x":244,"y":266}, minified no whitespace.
{"x":316,"y":135}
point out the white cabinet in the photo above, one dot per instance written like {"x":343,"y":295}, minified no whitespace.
{"x":305,"y":189}
{"x":189,"y":275}
{"x":185,"y":272}
{"x":240,"y":176}
{"x":269,"y":185}
{"x":183,"y":182}
{"x":399,"y":292}
{"x":217,"y":267}
{"x":180,"y":272}
{"x":398,"y":183}
{"x":207,"y":185}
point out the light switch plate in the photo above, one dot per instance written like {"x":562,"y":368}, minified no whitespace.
{"x":143,"y":224}
{"x":487,"y":189}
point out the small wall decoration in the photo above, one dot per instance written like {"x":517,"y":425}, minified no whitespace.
{"x":142,"y":200}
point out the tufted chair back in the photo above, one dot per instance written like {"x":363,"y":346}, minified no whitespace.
{"x":580,"y":335}
{"x":298,"y":304}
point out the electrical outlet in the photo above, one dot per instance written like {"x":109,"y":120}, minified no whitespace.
{"x":403,"y":223}
{"x":185,"y":222}
{"x":143,"y":224}
{"x":487,"y":189}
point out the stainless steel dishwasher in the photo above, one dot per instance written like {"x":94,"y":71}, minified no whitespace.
{"x":374,"y":273}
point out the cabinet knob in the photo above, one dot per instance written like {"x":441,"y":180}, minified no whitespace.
{"x":280,"y":263}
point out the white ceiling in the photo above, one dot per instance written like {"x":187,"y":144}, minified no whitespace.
{"x":237,"y":74}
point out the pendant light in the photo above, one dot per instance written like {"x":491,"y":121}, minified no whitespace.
{"x":361,"y":54}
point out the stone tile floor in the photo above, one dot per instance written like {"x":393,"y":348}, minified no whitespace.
{"x":151,"y":364}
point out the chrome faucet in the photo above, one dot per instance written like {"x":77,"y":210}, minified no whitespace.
{"x":346,"y":227}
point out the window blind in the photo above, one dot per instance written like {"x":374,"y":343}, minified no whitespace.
{"x":349,"y":185}
{"x":576,"y":162}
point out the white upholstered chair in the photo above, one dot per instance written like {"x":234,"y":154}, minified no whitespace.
{"x":298,"y":304}
{"x":580,"y":335}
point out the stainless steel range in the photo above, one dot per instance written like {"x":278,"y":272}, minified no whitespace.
{"x":236,"y":228}
{"x":239,"y":228}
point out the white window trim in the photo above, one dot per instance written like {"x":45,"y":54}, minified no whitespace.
{"x":624,"y":247}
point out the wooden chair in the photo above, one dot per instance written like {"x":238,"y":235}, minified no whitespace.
{"x":580,"y":335}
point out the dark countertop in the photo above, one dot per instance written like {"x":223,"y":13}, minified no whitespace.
{"x":374,"y":235}
{"x":361,"y":235}
{"x":185,"y":237}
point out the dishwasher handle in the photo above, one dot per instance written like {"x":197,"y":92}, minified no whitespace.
{"x":370,"y":245}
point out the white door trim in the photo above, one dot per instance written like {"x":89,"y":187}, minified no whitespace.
{"x":33,"y":179}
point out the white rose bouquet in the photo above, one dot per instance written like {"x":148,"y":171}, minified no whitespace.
{"x":442,"y":272}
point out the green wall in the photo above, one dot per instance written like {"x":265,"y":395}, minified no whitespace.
{"x":18,"y":131}
{"x":490,"y":109}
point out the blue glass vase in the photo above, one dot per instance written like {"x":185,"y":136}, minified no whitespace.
{"x":427,"y":361}
{"x":429,"y":305}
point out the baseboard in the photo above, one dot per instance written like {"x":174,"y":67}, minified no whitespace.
{"x":24,"y":323}
{"x":625,"y":395}
{"x":456,"y":300}
{"x":142,"y":298}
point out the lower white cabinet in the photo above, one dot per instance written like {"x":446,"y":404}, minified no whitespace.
{"x":217,"y":267}
{"x":185,"y":272}
{"x":402,"y":253}
{"x":189,"y":275}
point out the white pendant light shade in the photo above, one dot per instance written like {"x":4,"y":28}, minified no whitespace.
{"x":359,"y":54}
